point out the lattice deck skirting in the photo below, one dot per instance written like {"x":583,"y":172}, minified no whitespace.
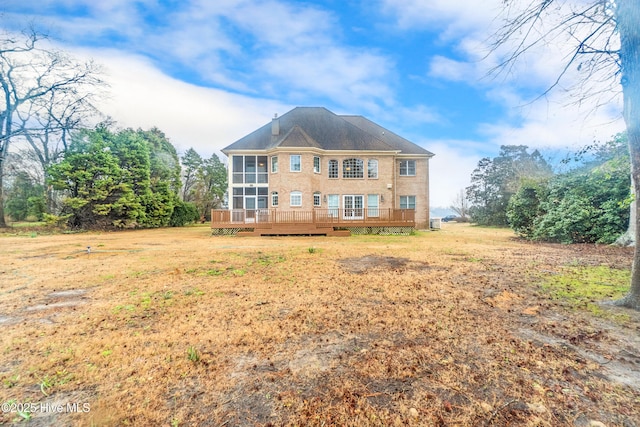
{"x":228,"y":231}
{"x":382,"y":231}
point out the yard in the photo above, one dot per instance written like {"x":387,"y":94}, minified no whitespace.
{"x":174,"y":327}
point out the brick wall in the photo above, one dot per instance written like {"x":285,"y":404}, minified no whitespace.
{"x":308,"y":182}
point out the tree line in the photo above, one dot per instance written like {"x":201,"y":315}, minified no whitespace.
{"x":65,"y":171}
{"x":590,"y":203}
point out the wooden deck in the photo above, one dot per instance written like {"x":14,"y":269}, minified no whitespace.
{"x":329,"y":222}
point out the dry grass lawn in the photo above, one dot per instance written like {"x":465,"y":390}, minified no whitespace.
{"x":174,"y":327}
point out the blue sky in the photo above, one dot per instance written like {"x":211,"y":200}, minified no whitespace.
{"x":207,"y":72}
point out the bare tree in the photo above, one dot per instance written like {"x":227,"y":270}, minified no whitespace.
{"x":42,"y":92}
{"x":461,"y":205}
{"x":604,"y":38}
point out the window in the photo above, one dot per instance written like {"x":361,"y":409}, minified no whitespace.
{"x":333,"y":169}
{"x":274,"y":164}
{"x":334,"y":205}
{"x":373,"y":205}
{"x":295,"y":163}
{"x":238,"y":198}
{"x":250,"y":198}
{"x":263,"y":172}
{"x":407,"y":202}
{"x":407,"y":168}
{"x":238,"y":169}
{"x":352,"y":168}
{"x":250,"y":170}
{"x":295,"y":198}
{"x":316,"y":164}
{"x":372,"y":169}
{"x":316,"y":199}
{"x":274,"y":198}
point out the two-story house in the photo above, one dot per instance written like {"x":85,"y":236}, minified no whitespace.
{"x":312,"y":160}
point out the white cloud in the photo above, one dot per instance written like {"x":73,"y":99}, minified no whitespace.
{"x":450,"y":169}
{"x":348,"y":78}
{"x":449,"y":69}
{"x":261,"y":48}
{"x":449,"y":18}
{"x":555,"y":123}
{"x":191,"y":116}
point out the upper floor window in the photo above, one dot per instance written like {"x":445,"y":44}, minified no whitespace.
{"x":333,"y":169}
{"x":316,"y":164}
{"x":250,"y":169}
{"x":372,"y":169}
{"x":295,"y":198}
{"x":352,"y":168}
{"x":407,"y":168}
{"x":407,"y":202}
{"x":274,"y":164}
{"x":295,"y":163}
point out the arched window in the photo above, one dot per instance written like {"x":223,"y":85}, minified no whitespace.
{"x":352,"y":168}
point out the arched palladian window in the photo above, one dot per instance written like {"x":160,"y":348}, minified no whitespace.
{"x":352,"y":168}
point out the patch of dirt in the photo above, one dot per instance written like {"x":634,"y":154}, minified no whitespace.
{"x":48,"y":307}
{"x":360,"y":265}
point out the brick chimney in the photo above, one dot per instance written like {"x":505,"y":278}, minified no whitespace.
{"x":275,"y":125}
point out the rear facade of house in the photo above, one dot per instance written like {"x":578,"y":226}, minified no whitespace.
{"x":312,"y":159}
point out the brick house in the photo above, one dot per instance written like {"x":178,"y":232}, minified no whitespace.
{"x":311,"y":159}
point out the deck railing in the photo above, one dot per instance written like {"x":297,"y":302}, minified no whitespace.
{"x":266,"y":218}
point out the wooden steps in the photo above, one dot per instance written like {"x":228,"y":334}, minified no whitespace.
{"x":295,"y":230}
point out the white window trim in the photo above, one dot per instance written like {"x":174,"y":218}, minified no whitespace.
{"x":355,"y":163}
{"x":373,"y":211}
{"x":337,"y":170}
{"x":298,"y":195}
{"x":291,"y":156}
{"x":376,"y":169}
{"x":353,"y":212}
{"x":415,"y":167}
{"x":415,"y":202}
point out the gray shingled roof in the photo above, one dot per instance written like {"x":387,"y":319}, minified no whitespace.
{"x":394,"y":140}
{"x":320,"y":128}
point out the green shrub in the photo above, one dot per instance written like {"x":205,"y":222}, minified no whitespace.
{"x":524,"y":208}
{"x":183,"y":214}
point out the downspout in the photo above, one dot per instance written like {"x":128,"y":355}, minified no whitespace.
{"x":395,"y":178}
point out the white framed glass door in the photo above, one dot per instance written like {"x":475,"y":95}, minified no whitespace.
{"x":353,"y":206}
{"x":250,"y":208}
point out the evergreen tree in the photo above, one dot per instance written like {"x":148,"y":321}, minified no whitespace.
{"x":210,"y":186}
{"x":25,"y":198}
{"x":192,"y":162}
{"x":123,"y":179}
{"x":494,"y":181}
